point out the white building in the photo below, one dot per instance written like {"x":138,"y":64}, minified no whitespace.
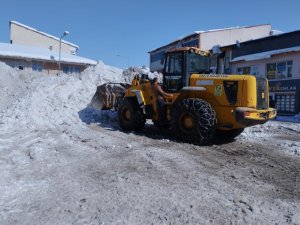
{"x":25,"y":35}
{"x":39,"y":59}
{"x":33,"y":50}
{"x":206,"y":40}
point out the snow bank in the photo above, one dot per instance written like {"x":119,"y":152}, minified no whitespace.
{"x":40,"y":100}
{"x":31,"y":100}
{"x":12,"y":81}
{"x":279,"y":135}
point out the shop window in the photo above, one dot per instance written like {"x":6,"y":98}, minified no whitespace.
{"x":279,"y":70}
{"x":38,"y":67}
{"x":271,"y":71}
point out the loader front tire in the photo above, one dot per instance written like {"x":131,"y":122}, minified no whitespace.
{"x":130,"y":116}
{"x":194,"y":121}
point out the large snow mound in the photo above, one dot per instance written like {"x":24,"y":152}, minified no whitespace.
{"x":37,"y":99}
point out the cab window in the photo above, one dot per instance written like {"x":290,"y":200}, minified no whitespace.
{"x":174,"y":64}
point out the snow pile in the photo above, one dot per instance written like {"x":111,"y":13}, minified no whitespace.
{"x":279,"y":135}
{"x":12,"y":81}
{"x":131,"y":72}
{"x":50,"y":101}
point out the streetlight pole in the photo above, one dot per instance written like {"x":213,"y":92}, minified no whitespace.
{"x":59,"y":54}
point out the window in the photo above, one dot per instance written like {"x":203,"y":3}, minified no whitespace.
{"x":254,"y":71}
{"x":289,"y":68}
{"x":71,"y":70}
{"x":193,"y":43}
{"x":38,"y":67}
{"x":271,"y":71}
{"x":157,"y":56}
{"x":198,"y":63}
{"x":279,"y":70}
{"x":174,"y":64}
{"x":244,"y":70}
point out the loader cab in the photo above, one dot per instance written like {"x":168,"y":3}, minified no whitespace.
{"x":180,"y":63}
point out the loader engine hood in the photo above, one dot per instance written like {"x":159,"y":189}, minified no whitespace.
{"x":233,"y":90}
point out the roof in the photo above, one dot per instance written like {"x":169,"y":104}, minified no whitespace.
{"x":207,"y":31}
{"x":276,"y":35}
{"x":265,"y":55}
{"x":38,"y":53}
{"x":43,"y":33}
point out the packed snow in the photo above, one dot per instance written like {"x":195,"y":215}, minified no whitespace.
{"x":64,"y":163}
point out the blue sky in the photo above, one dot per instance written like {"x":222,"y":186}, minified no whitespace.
{"x":121,"y":32}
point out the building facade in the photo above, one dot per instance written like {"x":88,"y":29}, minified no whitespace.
{"x":276,"y":58}
{"x":33,"y":50}
{"x":24,"y":35}
{"x":206,"y":40}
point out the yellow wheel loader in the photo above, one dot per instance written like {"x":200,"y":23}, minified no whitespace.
{"x":203,"y":105}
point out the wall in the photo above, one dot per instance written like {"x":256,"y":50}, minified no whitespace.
{"x":261,"y":64}
{"x":15,"y":63}
{"x":282,"y":41}
{"x":48,"y":67}
{"x":24,"y":36}
{"x":230,"y":36}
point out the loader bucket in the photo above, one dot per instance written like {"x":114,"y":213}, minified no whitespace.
{"x":108,"y":96}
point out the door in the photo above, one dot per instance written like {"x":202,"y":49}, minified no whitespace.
{"x":173,"y":75}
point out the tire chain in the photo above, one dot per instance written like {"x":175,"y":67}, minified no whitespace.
{"x":205,"y":116}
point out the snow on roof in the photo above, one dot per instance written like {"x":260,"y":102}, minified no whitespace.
{"x":38,"y":53}
{"x":265,"y":55}
{"x":43,"y":33}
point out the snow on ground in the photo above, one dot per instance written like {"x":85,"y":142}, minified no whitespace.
{"x":63,"y":163}
{"x":284,"y":136}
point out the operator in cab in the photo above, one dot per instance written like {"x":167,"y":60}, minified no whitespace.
{"x":159,"y":94}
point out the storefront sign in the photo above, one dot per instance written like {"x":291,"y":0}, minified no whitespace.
{"x":284,"y":85}
{"x":286,"y":96}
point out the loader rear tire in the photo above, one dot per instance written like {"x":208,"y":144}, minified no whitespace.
{"x":229,"y":134}
{"x":130,"y":116}
{"x":194,"y":121}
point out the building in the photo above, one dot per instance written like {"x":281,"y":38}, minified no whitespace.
{"x":39,"y":59}
{"x":276,"y":58}
{"x":24,"y":35}
{"x":33,"y":50}
{"x":206,"y":40}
